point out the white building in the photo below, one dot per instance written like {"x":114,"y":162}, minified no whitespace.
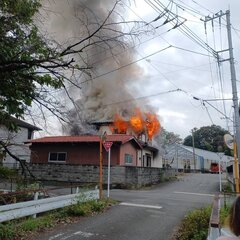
{"x":188,"y":158}
{"x":15,"y":143}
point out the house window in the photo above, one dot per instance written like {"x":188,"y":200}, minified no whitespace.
{"x":30,"y":133}
{"x":57,"y":157}
{"x":148,"y":161}
{"x":128,"y":159}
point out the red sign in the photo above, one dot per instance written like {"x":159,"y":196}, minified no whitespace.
{"x":107,"y":145}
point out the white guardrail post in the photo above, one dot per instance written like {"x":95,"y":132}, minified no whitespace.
{"x":23,"y":209}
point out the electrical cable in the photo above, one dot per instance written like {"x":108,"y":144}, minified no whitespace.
{"x":143,"y":97}
{"x":126,"y":65}
{"x":183,"y":28}
{"x":208,"y":113}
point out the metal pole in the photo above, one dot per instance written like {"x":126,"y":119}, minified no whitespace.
{"x":108,"y":187}
{"x":100,"y":170}
{"x":236,"y":174}
{"x":176,"y":156}
{"x":219,"y":173}
{"x":234,"y":86}
{"x":194,"y":160}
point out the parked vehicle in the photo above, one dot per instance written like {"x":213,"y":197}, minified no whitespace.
{"x":214,"y":168}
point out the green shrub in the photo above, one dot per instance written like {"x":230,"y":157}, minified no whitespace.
{"x":195,"y":225}
{"x":86,"y":208}
{"x":224,"y":212}
{"x":7,"y":172}
{"x":7,"y":231}
{"x":98,"y":206}
{"x":78,"y":209}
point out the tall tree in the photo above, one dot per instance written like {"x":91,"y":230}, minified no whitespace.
{"x":32,"y":64}
{"x":208,"y":138}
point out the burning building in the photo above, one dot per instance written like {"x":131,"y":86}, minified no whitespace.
{"x":101,"y":93}
{"x":143,"y":126}
{"x":140,"y":124}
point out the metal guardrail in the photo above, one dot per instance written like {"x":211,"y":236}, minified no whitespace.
{"x":23,"y":209}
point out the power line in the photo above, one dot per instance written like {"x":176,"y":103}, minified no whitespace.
{"x":160,"y":8}
{"x":206,"y":101}
{"x":202,"y":6}
{"x":208,"y":113}
{"x":126,"y":65}
{"x":187,"y":50}
{"x":143,"y":97}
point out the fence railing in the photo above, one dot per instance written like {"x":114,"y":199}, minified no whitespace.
{"x":214,"y":223}
{"x":23,"y":209}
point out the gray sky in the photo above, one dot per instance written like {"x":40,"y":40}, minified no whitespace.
{"x":171,"y":68}
{"x":195,"y":74}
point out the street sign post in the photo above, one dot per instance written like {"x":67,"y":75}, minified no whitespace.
{"x":107,"y":146}
{"x":102,"y":140}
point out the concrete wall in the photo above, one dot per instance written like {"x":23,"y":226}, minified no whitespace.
{"x":123,"y":176}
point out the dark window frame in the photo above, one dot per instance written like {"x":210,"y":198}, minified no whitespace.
{"x":58,"y":157}
{"x":128,"y":159}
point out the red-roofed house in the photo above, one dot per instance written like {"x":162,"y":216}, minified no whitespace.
{"x":85,"y":150}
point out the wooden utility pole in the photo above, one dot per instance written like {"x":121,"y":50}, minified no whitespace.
{"x":100,"y":170}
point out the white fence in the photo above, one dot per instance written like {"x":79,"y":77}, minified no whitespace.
{"x":23,"y":209}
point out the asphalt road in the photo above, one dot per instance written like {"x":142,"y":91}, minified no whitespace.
{"x":149,"y":214}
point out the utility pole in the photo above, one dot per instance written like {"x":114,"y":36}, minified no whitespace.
{"x":194,"y":157}
{"x":234,"y":85}
{"x":236,"y":121}
{"x":233,"y":74}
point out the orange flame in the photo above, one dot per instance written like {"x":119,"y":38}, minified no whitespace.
{"x":152,"y":124}
{"x":149,"y":123}
{"x":120,"y":124}
{"x":137,"y":122}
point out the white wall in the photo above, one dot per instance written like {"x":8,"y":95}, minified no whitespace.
{"x":15,"y":145}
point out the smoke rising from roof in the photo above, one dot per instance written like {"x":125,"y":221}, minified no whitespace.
{"x":101,"y":95}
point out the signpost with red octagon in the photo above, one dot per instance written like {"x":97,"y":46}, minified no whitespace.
{"x":107,"y":146}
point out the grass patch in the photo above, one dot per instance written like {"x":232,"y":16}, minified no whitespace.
{"x":195,"y":224}
{"x":21,"y":228}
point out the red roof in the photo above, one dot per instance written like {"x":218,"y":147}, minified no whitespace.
{"x":85,"y":138}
